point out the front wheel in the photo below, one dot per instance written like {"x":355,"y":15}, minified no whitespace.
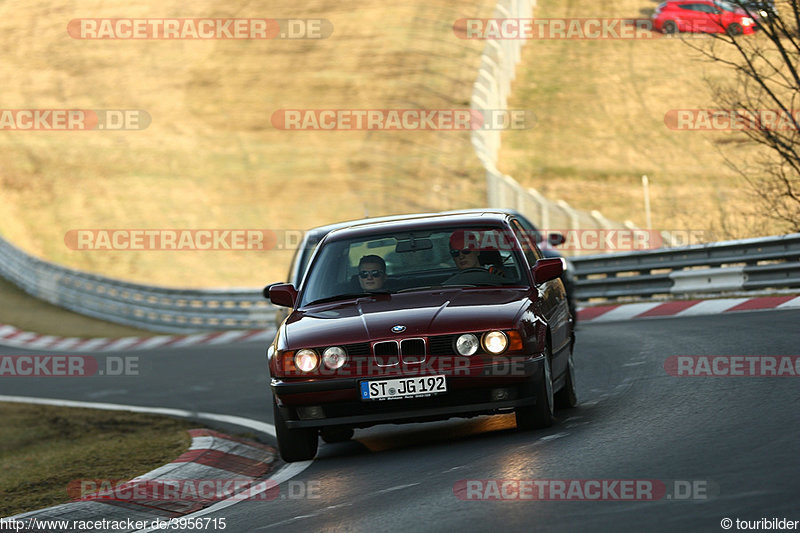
{"x":294,"y":444}
{"x":669,"y":27}
{"x":568,"y":396}
{"x":539,"y":415}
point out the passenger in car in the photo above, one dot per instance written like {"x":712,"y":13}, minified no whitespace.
{"x":371,"y":272}
{"x":463,"y":250}
{"x":465,"y":253}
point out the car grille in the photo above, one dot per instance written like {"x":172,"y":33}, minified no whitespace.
{"x":361,"y":348}
{"x":441,"y":345}
{"x":409,"y":351}
{"x":389,"y":353}
{"x":386,"y":353}
{"x":413,"y":350}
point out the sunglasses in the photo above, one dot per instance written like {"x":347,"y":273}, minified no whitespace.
{"x":456,"y":253}
{"x":364,"y":274}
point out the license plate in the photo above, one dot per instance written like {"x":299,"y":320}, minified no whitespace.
{"x":391,"y":389}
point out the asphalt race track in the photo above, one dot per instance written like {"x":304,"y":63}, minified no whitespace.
{"x":733,"y":438}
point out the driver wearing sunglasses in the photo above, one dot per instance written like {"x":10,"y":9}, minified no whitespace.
{"x":371,"y":272}
{"x":464,"y":251}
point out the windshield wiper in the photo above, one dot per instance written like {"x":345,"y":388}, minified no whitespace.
{"x":420,"y":288}
{"x":437,"y":287}
{"x":348,"y":296}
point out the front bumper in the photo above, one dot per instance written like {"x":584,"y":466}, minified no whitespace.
{"x":341,"y":405}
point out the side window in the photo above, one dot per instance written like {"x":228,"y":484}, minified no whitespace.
{"x":529,"y":248}
{"x":534,"y":236}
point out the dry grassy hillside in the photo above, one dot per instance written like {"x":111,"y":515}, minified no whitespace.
{"x":210,"y":158}
{"x":600,"y":107}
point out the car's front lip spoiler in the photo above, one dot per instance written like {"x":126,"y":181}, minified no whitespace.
{"x":409,"y":415}
{"x":280,"y":388}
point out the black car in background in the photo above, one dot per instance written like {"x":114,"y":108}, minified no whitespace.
{"x":763,"y":9}
{"x":547,"y":246}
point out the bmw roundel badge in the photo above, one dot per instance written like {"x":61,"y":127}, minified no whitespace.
{"x":398,"y":329}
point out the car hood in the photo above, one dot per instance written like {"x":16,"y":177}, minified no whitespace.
{"x":422,"y":313}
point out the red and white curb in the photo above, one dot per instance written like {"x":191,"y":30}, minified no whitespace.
{"x":609,"y":313}
{"x":11,"y":336}
{"x":212,"y":456}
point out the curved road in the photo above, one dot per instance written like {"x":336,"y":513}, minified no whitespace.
{"x":734,"y":439}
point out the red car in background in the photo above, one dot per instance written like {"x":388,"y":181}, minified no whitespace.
{"x":468,"y":318}
{"x":702,"y":16}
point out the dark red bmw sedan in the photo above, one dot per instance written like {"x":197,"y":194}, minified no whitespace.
{"x":418,"y":319}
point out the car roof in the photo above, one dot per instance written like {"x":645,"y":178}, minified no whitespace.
{"x":324,"y":230}
{"x":418,"y":222}
{"x":327,"y":228}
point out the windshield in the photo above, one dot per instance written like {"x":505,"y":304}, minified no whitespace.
{"x":302,"y":257}
{"x":471,"y":257}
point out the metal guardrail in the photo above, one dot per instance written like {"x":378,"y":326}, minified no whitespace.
{"x":730,"y":266}
{"x":752,"y":264}
{"x":154,"y":308}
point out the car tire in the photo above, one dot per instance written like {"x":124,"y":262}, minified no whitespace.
{"x":331,"y":435}
{"x":539,"y":415}
{"x":567,"y":397}
{"x":734,"y":29}
{"x":294,"y":444}
{"x":669,"y":27}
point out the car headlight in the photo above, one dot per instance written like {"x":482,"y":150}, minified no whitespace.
{"x":495,"y":342}
{"x":306,"y":360}
{"x":747,"y":21}
{"x":467,"y":344}
{"x":334,"y":357}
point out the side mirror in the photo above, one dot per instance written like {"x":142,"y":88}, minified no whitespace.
{"x":265,"y":290}
{"x":547,"y":269}
{"x":283,"y":294}
{"x":556,"y":239}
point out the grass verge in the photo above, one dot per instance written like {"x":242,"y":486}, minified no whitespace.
{"x":31,"y":314}
{"x":43,"y":449}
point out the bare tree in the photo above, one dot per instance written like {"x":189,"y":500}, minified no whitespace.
{"x":762,"y":96}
